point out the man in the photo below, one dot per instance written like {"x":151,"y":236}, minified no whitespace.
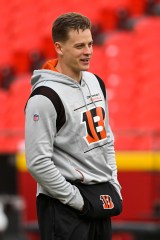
{"x":69,"y":144}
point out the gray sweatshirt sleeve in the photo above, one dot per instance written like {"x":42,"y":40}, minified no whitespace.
{"x":40,"y":131}
{"x":112,"y":161}
{"x":111,"y":156}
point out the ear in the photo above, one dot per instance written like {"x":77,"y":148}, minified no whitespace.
{"x":58,"y":48}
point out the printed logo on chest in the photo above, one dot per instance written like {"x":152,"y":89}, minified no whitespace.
{"x":94,"y":123}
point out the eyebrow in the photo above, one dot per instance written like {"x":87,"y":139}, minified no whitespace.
{"x":78,"y":44}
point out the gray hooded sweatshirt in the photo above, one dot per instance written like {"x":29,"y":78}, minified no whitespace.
{"x":67,"y":135}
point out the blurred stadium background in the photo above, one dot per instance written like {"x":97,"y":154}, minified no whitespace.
{"x":126,"y":55}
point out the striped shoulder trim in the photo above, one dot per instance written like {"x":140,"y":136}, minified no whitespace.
{"x":56,"y":101}
{"x":102,"y":85}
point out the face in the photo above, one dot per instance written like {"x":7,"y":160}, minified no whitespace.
{"x":76,"y":52}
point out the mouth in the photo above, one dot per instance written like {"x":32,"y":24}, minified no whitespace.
{"x":85,"y":60}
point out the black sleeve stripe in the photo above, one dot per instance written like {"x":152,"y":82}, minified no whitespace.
{"x":56,"y":101}
{"x":102,"y":85}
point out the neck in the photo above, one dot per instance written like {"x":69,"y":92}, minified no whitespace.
{"x":70,"y":73}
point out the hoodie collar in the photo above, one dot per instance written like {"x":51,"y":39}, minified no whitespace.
{"x":51,"y":65}
{"x":50,"y":73}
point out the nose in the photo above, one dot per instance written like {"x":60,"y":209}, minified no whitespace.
{"x":88,"y":50}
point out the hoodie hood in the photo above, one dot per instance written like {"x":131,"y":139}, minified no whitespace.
{"x":50,"y":73}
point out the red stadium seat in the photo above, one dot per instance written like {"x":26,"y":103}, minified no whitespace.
{"x":133,"y":140}
{"x":14,"y":116}
{"x":19,"y":93}
{"x":121,"y":113}
{"x":124,"y":41}
{"x":5,"y":47}
{"x":146,"y":24}
{"x":97,"y":65}
{"x":120,"y":50}
{"x":4,"y":119}
{"x":108,"y":13}
{"x":137,"y":7}
{"x":148,"y":38}
{"x":4,"y":96}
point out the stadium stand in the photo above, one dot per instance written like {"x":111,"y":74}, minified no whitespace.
{"x":130,"y":57}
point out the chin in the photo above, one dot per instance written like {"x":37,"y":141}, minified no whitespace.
{"x":85,"y":68}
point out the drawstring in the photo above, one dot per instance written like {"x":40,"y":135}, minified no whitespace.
{"x":86,"y":105}
{"x":78,"y":85}
{"x":90,"y":93}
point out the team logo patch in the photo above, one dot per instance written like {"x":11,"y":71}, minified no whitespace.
{"x":36,"y":117}
{"x":94,"y":122}
{"x":107,"y":201}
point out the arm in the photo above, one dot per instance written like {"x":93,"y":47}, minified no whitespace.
{"x":110,"y":150}
{"x":39,"y":145}
{"x":112,"y":161}
{"x":111,"y":155}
